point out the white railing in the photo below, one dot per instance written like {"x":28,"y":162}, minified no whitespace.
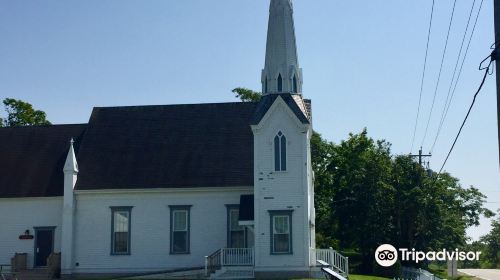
{"x":332,"y":257}
{"x":237,"y":256}
{"x":229,"y":257}
{"x":213,"y":262}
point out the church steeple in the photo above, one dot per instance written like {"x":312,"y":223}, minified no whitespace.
{"x":281,"y":73}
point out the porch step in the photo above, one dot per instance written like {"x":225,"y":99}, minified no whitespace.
{"x":317,"y":273}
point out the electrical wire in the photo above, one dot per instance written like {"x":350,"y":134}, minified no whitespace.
{"x":486,"y":73}
{"x":423,"y":77}
{"x":448,"y":101}
{"x":439,"y":74}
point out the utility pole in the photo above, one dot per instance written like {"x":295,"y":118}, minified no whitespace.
{"x":496,"y":4}
{"x":420,"y":161}
{"x":420,"y":155}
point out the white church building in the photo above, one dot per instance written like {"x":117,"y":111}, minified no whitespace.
{"x":143,"y":189}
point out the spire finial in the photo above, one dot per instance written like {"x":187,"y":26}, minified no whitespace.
{"x":71,"y":165}
{"x":281,"y":73}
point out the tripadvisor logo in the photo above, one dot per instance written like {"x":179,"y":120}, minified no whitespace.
{"x":387,"y":255}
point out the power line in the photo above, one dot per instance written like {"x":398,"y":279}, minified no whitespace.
{"x":453,"y":77}
{"x":423,"y":77}
{"x":439,"y":74}
{"x":448,"y":101}
{"x":486,"y":73}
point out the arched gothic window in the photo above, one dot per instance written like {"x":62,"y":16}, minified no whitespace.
{"x":280,"y":152}
{"x":295,"y":85}
{"x":280,"y":83}
{"x":265,"y":85}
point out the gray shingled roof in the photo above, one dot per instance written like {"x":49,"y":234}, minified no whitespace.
{"x":268,"y":100}
{"x":169,"y":146}
{"x":174,"y":146}
{"x":32,"y":159}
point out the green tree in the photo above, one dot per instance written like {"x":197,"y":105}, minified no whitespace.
{"x":247,"y":95}
{"x":378,"y":198}
{"x":20,"y":113}
{"x":491,"y":253}
{"x":363,"y":199}
{"x":476,"y":246}
{"x":321,"y":156}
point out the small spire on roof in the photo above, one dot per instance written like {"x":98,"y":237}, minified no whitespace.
{"x":71,"y":165}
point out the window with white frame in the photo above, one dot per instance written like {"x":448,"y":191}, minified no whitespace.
{"x":281,"y":232}
{"x":120,"y":230}
{"x":280,"y":152}
{"x":179,"y":229}
{"x":236,"y":233}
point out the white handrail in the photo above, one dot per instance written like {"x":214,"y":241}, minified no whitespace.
{"x":335,"y":259}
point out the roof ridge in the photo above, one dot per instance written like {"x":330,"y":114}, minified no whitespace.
{"x":44,"y":125}
{"x":174,"y":105}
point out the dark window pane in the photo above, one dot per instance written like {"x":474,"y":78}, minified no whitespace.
{"x":280,"y":83}
{"x":283,"y":153}
{"x":295,"y":88}
{"x":281,"y":243}
{"x":180,"y":242}
{"x":265,"y":85}
{"x":121,"y":242}
{"x":277,"y":165}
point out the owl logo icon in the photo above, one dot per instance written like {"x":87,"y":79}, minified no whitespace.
{"x":386,"y":255}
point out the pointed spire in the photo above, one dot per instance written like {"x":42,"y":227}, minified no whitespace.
{"x":71,"y":165}
{"x":281,"y":52}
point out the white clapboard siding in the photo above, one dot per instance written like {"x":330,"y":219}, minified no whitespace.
{"x":150,"y":229}
{"x":289,"y":190}
{"x":21,"y":214}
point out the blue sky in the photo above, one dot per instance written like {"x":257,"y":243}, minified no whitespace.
{"x":362,"y":63}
